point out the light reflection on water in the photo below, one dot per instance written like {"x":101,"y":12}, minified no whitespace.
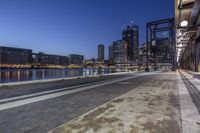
{"x":13,"y":75}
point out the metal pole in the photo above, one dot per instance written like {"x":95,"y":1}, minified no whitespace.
{"x":195,"y":56}
{"x":155,"y":59}
{"x":150,"y":46}
{"x":173,"y":34}
{"x":147,"y":52}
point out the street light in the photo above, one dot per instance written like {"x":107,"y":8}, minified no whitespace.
{"x":184,"y":23}
{"x":180,"y":45}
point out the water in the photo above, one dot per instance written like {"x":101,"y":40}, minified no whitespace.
{"x":14,"y":75}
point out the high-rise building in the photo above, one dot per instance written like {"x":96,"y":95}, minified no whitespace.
{"x":110,"y":52}
{"x":119,"y":50}
{"x":131,"y":36}
{"x":101,"y":52}
{"x":9,"y":55}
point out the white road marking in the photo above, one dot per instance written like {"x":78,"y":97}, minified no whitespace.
{"x":29,"y":100}
{"x":46,"y":92}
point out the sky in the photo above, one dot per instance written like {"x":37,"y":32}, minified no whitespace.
{"x":75,"y":26}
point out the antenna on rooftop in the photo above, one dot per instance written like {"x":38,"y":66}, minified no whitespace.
{"x":132,"y":22}
{"x":123,"y":27}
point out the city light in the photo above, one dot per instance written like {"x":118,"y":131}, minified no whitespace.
{"x":180,"y":45}
{"x":178,"y":53}
{"x":184,"y":23}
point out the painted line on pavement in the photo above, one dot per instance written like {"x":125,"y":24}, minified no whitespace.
{"x":5,"y":100}
{"x":26,"y":101}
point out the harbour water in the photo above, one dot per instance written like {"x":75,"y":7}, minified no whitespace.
{"x":15,"y":75}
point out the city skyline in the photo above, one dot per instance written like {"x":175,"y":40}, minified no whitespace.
{"x":62,"y":29}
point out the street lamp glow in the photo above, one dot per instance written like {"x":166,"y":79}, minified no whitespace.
{"x":184,"y":23}
{"x":180,"y":45}
{"x":179,"y":50}
{"x":180,"y":39}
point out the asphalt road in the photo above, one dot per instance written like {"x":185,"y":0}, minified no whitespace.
{"x":44,"y":115}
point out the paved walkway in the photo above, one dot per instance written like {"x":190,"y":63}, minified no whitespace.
{"x":190,"y":117}
{"x":152,"y":107}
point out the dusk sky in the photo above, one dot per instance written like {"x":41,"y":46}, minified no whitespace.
{"x":74,"y":26}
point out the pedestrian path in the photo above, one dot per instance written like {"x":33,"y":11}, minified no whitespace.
{"x":189,"y":114}
{"x":192,"y":79}
{"x":152,"y":107}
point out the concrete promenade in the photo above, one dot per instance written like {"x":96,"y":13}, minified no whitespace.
{"x":153,"y":102}
{"x":152,"y":107}
{"x":164,"y":105}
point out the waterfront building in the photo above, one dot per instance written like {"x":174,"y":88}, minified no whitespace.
{"x":10,"y":55}
{"x":131,"y":37}
{"x":90,"y":62}
{"x":101,"y":52}
{"x":76,"y":59}
{"x":41,"y":58}
{"x":46,"y":59}
{"x":55,"y":59}
{"x":119,"y":50}
{"x":64,"y":60}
